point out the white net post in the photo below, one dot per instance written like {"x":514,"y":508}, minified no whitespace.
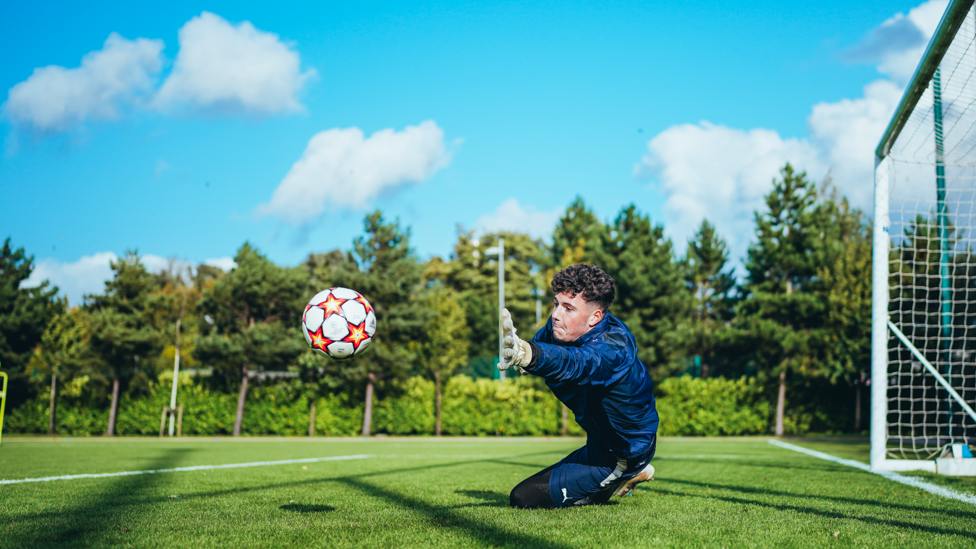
{"x":879,"y":317}
{"x":924,"y":280}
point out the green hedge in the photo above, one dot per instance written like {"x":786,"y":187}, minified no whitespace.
{"x":711,"y":407}
{"x":520,"y":407}
{"x":471,"y":407}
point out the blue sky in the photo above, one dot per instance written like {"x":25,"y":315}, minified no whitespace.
{"x":490,"y":115}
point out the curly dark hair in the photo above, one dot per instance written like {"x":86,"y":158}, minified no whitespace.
{"x":589,"y":281}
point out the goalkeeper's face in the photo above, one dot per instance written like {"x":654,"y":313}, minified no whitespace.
{"x":573,"y":316}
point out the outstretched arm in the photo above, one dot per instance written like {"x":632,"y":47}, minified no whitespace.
{"x":597,"y":362}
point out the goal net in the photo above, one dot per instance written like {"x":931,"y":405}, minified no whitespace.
{"x":924,"y":299}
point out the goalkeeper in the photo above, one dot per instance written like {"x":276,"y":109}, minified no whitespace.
{"x":588,"y":358}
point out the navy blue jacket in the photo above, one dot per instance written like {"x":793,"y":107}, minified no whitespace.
{"x":600,"y":379}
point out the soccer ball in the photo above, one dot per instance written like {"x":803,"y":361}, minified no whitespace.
{"x":339,"y":322}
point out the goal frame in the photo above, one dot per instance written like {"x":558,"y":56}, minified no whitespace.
{"x":949,"y":25}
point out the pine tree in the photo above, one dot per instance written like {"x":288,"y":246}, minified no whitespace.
{"x":843,"y":286}
{"x":63,"y":352}
{"x":323,"y":269}
{"x":387,"y":272}
{"x":318,"y":375}
{"x":444,"y":348}
{"x":846,"y":346}
{"x":711,"y":285}
{"x":652,"y":298}
{"x":779,"y":263}
{"x":252,"y":312}
{"x":785,"y":310}
{"x":123,"y":337}
{"x":24,"y":314}
{"x":206,"y":276}
{"x":578,"y":237}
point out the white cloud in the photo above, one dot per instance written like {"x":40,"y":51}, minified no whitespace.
{"x":181,"y":267}
{"x":223,"y":263}
{"x":898,"y":57}
{"x":719,"y":173}
{"x":846,"y":134}
{"x":895,"y":35}
{"x":342,"y":168}
{"x":85,"y":276}
{"x":156,"y":263}
{"x":230,"y":68}
{"x":220,"y":68}
{"x":89,"y":274}
{"x":176,"y":267}
{"x":109,"y":81}
{"x":511,"y":216}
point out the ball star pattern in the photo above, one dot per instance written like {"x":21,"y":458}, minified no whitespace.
{"x":332,"y":313}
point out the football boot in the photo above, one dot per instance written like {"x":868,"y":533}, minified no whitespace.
{"x":628,"y":488}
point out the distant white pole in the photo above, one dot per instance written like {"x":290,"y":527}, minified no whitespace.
{"x":501,"y":300}
{"x":176,"y":361}
{"x":879,"y":317}
{"x":176,"y":377}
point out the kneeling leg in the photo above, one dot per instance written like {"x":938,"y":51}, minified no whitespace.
{"x":533,"y":492}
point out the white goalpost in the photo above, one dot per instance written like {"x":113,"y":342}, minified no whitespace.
{"x":923,"y":321}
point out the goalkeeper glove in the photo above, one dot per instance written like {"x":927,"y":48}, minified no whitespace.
{"x":515,"y":351}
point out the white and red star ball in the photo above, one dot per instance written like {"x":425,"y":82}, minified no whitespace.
{"x":339,"y":322}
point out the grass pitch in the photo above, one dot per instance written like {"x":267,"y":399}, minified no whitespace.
{"x":454,"y":493}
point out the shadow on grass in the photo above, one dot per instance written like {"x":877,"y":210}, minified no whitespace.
{"x":443,"y":517}
{"x":169,"y":463}
{"x":820,"y":512}
{"x":488,"y":499}
{"x":372,"y":474}
{"x":485,"y":495}
{"x":102,"y":519}
{"x":300,"y":508}
{"x":838,"y":499}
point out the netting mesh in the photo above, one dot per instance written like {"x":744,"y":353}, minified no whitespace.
{"x":931,"y":171}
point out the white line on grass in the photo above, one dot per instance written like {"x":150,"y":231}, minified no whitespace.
{"x":183,"y":469}
{"x":562,"y":452}
{"x":714,"y":456}
{"x":910,"y":481}
{"x":461,"y":456}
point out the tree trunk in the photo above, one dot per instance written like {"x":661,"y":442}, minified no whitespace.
{"x":781,"y":397}
{"x":311,"y":419}
{"x":437,"y":404}
{"x":240,"y":402}
{"x":781,"y":403}
{"x":565,"y":430}
{"x":368,"y":412}
{"x":857,"y":408}
{"x":54,"y":388}
{"x":115,"y":405}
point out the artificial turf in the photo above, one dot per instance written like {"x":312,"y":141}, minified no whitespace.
{"x":426,"y":492}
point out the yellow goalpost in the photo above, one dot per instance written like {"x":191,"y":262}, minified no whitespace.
{"x":3,"y":401}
